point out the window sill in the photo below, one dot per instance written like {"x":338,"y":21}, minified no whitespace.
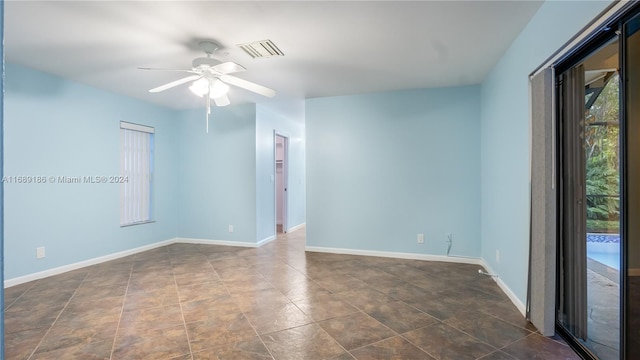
{"x":138,"y":223}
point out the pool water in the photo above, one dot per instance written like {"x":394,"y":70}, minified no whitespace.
{"x":605,"y":249}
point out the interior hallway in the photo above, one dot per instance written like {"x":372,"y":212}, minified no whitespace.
{"x":186,"y":301}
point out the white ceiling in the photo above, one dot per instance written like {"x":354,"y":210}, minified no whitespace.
{"x":331,"y":48}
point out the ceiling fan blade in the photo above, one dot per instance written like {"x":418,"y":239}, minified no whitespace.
{"x":222,"y":100}
{"x":163,"y":69}
{"x":248,"y":85}
{"x":174,"y":83}
{"x":229,"y":68}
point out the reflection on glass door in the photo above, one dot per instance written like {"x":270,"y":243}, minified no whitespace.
{"x":589,"y":296}
{"x":631,"y":229}
{"x":602,"y":181}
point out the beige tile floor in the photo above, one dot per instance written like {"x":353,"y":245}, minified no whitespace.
{"x":187,"y":301}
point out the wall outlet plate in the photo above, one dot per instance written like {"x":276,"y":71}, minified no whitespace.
{"x":40,"y":252}
{"x":420,"y":238}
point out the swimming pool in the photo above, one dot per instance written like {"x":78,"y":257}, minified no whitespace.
{"x":604,"y":248}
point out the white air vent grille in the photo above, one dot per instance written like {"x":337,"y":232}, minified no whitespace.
{"x":261,"y":49}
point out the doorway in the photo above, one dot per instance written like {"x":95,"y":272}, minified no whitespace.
{"x":281,"y":145}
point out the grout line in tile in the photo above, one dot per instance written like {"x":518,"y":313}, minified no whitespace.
{"x":336,"y":340}
{"x":493,"y":352}
{"x":453,"y":327}
{"x":559,"y":341}
{"x":124,"y":301}
{"x":508,"y":322}
{"x":473,"y":337}
{"x":58,"y":316}
{"x":7,"y":307}
{"x":418,"y":346}
{"x":184,"y":321}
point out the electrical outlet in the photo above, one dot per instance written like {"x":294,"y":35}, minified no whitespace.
{"x":497,"y":255}
{"x":420,"y":238}
{"x":40,"y":252}
{"x":230,"y":228}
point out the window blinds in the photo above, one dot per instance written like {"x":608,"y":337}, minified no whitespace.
{"x":136,"y":165}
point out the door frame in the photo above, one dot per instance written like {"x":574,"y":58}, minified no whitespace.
{"x":285,"y":179}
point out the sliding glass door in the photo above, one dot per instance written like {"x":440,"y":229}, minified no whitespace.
{"x":598,"y":97}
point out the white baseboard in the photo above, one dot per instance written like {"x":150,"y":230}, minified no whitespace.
{"x":266,"y":240}
{"x":62,"y":269}
{"x":397,"y":255}
{"x":215,"y":242}
{"x":297,"y":227}
{"x":510,"y":294}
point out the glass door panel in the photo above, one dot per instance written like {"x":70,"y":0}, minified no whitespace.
{"x":589,"y":296}
{"x":631,"y":218}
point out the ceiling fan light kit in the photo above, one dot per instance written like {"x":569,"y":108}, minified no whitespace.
{"x":214,"y":87}
{"x":211,"y":79}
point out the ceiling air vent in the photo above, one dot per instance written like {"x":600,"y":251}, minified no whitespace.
{"x":261,"y":49}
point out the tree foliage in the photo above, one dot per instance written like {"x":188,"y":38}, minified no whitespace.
{"x":602,"y":152}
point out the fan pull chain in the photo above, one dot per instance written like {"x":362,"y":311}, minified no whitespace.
{"x":208,"y":107}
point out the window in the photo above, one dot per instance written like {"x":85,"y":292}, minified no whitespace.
{"x":136,"y":170}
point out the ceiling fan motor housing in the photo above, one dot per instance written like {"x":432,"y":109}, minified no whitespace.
{"x":204,"y":62}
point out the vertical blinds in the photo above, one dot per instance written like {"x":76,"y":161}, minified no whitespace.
{"x":541,"y":297}
{"x":136,"y":143}
{"x":572,"y":304}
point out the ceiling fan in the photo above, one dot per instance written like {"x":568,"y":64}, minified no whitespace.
{"x":210,"y":79}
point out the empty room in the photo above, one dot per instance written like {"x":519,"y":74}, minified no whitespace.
{"x":320,"y":180}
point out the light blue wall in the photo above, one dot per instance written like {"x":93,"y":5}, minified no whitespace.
{"x":383,"y":167}
{"x":1,"y":173}
{"x":217,"y":174}
{"x":505,"y":136}
{"x":287,"y":118}
{"x":54,"y":127}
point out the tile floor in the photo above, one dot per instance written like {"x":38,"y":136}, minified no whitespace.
{"x":187,"y":301}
